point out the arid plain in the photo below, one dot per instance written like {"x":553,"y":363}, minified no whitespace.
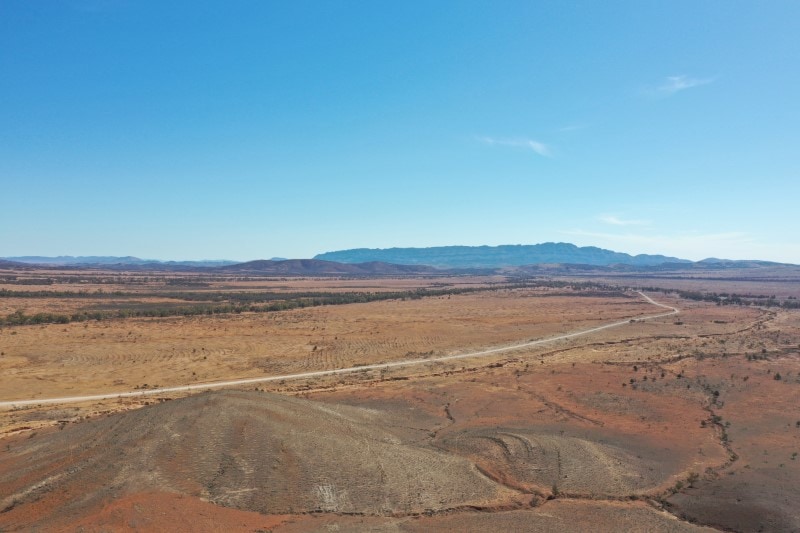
{"x":679,"y":423}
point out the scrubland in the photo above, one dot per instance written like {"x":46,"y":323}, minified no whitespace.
{"x":682,"y":423}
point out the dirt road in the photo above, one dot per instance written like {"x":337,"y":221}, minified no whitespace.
{"x":304,"y":375}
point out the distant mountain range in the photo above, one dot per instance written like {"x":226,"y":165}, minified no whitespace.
{"x":316,"y":267}
{"x":498,"y":256}
{"x":542,"y":258}
{"x":69,"y":260}
{"x":271,"y":267}
{"x":11,"y":264}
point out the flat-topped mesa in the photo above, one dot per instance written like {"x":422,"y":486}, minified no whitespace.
{"x":498,"y":256}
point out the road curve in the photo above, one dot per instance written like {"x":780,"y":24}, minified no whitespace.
{"x":303,"y":375}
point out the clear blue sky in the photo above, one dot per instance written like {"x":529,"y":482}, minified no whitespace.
{"x":243,"y":130}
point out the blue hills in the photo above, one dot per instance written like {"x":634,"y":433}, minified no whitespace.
{"x":498,"y":256}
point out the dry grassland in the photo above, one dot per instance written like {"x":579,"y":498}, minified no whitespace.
{"x":52,"y":360}
{"x":676,"y":424}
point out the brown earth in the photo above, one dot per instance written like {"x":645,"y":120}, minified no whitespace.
{"x":554,"y":516}
{"x":91,"y":281}
{"x":665,"y":425}
{"x":760,"y":489}
{"x":246,"y":450}
{"x":51,"y":360}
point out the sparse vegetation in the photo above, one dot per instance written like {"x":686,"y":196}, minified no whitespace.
{"x":129,"y":305}
{"x":558,"y":417}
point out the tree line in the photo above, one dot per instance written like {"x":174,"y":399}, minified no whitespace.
{"x":255,"y":302}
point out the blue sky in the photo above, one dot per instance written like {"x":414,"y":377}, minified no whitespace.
{"x":243,"y":130}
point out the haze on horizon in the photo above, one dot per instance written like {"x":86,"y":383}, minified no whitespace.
{"x":245,"y":130}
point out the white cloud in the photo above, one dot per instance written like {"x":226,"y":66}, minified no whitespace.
{"x":539,"y":147}
{"x":674,"y":84}
{"x":616,"y":221}
{"x":690,"y":245}
{"x":573,"y":127}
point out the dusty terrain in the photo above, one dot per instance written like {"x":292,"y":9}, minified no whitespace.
{"x":42,"y":361}
{"x":684,"y":423}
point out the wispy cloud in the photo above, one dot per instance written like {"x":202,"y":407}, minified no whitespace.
{"x":674,"y":84}
{"x":691,"y":245}
{"x":616,"y":221}
{"x":573,"y":127}
{"x":536,"y":146}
